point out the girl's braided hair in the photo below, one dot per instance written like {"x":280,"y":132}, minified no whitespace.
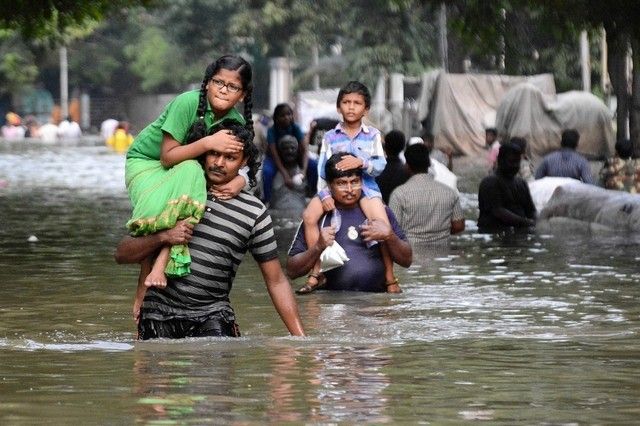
{"x":228,"y":62}
{"x":249,"y":150}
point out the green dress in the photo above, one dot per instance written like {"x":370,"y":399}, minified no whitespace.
{"x":162,"y":196}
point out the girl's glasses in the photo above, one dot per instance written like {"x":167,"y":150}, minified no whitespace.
{"x":232,"y":88}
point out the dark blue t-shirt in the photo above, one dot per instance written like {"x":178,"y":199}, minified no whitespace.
{"x":365,"y":270}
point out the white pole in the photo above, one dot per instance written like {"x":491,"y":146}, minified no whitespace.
{"x":85,"y":111}
{"x":280,"y":81}
{"x":606,"y":85}
{"x":315,"y":60}
{"x":444,"y":45}
{"x":64,"y":83}
{"x":585,"y":61}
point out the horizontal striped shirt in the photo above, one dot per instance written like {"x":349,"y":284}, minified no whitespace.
{"x":565,"y":163}
{"x":227,"y":231}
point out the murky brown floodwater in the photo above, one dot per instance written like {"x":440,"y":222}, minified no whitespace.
{"x":539,"y":329}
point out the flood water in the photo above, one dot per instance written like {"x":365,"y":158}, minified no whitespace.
{"x":538,"y":329}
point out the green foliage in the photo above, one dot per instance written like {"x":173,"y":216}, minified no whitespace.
{"x":51,"y":18}
{"x":119,"y":47}
{"x":156,"y":61}
{"x":358,"y":39}
{"x":17,"y":67}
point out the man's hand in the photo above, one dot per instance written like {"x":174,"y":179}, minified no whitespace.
{"x":326,"y":238}
{"x":349,"y":162}
{"x":376,"y":230}
{"x":179,"y":234}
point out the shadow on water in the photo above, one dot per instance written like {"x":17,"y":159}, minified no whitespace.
{"x":537,"y":328}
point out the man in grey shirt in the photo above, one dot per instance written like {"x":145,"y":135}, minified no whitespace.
{"x":427,"y":210}
{"x":566,"y":162}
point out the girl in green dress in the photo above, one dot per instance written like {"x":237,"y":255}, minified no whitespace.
{"x":165,"y":181}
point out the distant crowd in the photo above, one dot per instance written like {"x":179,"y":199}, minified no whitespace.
{"x":15,"y":128}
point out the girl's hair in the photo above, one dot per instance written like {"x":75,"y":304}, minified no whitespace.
{"x":249,"y":150}
{"x":355,"y":87}
{"x":228,"y":62}
{"x":280,"y":108}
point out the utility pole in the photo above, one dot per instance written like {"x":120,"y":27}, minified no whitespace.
{"x":64,"y":83}
{"x":585,"y":61}
{"x":444,"y":47}
{"x":315,"y":60}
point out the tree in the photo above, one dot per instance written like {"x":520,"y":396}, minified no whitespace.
{"x":562,"y":20}
{"x":17,"y":66}
{"x":51,"y":18}
{"x":358,"y":39}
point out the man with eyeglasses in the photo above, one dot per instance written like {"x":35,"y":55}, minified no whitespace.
{"x":361,"y":239}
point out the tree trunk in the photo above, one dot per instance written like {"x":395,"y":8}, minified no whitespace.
{"x":617,"y":44}
{"x":634,"y":113}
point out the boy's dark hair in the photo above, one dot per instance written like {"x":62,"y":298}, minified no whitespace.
{"x":249,"y":150}
{"x":330,"y":171}
{"x":506,"y":151}
{"x":228,"y":62}
{"x":394,"y":142}
{"x":354,"y":87}
{"x":521,"y":142}
{"x":570,"y":138}
{"x":624,"y":148}
{"x":417,"y":156}
{"x":492,"y":130}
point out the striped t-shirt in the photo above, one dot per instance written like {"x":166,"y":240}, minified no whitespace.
{"x":228,"y":229}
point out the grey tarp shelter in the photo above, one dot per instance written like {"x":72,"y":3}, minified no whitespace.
{"x":527,"y":112}
{"x":453,"y":106}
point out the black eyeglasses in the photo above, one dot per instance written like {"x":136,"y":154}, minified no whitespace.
{"x":232,"y":88}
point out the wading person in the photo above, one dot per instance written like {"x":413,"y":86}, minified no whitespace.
{"x":504,"y":198}
{"x":566,"y":162}
{"x":427,"y":210}
{"x":364,"y":147}
{"x":394,"y":173}
{"x":164,"y":181}
{"x":364,"y":271}
{"x":197,"y":304}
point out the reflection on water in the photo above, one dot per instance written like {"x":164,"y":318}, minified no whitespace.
{"x":522,"y":329}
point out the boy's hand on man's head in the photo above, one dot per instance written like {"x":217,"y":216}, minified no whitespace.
{"x":349,"y":162}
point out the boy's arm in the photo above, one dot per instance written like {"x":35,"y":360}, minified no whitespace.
{"x":325,"y":153}
{"x":376,"y":162}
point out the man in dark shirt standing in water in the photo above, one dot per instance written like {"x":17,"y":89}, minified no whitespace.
{"x":504,"y":199}
{"x":364,"y":271}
